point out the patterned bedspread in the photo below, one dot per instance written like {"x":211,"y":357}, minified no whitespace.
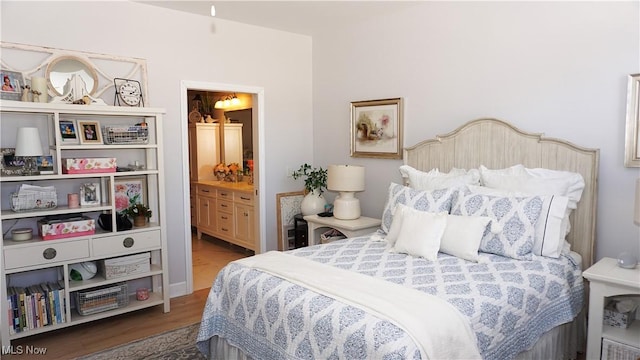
{"x":509,"y":304}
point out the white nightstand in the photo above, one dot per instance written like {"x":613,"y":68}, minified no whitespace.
{"x":350,"y":228}
{"x":607,"y":279}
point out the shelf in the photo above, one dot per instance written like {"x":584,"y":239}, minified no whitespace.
{"x":153,"y":300}
{"x":50,"y":177}
{"x":99,"y":280}
{"x":60,"y":210}
{"x":629,"y":336}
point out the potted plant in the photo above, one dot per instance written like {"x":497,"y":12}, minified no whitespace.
{"x":315,"y":183}
{"x":140,"y":213}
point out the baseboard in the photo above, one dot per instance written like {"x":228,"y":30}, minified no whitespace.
{"x":178,"y":289}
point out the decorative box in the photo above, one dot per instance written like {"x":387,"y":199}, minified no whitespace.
{"x":615,"y":318}
{"x":88,"y":165}
{"x":126,"y":265}
{"x":65,"y":228}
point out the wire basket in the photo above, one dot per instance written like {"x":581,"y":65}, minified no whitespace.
{"x":33,"y":201}
{"x":126,"y":134}
{"x":104,"y":299}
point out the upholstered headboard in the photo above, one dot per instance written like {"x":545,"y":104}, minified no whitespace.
{"x":497,"y":144}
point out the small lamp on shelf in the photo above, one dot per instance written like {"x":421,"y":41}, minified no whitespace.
{"x":346,"y":179}
{"x":28,"y":146}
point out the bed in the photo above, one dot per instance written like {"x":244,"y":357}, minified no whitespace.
{"x":356,"y":298}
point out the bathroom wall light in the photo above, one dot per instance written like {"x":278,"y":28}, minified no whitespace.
{"x":227,"y":101}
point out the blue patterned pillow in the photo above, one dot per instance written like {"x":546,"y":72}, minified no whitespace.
{"x":432,"y":201}
{"x":516,"y":215}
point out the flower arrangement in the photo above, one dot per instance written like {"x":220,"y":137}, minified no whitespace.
{"x":135,"y":210}
{"x":315,"y":178}
{"x":227,"y":172}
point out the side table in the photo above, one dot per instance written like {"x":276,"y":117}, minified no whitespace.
{"x":606,"y":280}
{"x":350,"y":228}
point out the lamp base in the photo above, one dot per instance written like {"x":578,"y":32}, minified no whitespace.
{"x":346,"y":206}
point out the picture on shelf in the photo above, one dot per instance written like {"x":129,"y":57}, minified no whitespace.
{"x":12,"y":82}
{"x":68,"y":133}
{"x":90,"y":194}
{"x":45,"y":164}
{"x":9,"y":164}
{"x":89,"y":132}
{"x":129,"y":191}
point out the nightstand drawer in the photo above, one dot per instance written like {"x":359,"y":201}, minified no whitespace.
{"x":45,"y":253}
{"x":225,"y":206}
{"x":119,"y":244}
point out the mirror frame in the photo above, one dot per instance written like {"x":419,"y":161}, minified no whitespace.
{"x":51,"y":66}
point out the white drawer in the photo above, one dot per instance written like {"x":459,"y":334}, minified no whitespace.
{"x":244,"y":198}
{"x":47,"y":252}
{"x":120,"y":244}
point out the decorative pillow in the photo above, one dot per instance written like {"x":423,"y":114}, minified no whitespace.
{"x":463,"y":234}
{"x":434,"y":179}
{"x":433,"y":201}
{"x":396,"y":224}
{"x":420,"y":233}
{"x":517,"y":216}
{"x":551,"y":227}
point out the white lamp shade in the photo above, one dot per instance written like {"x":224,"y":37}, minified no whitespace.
{"x":28,"y":142}
{"x":345,"y":178}
{"x":636,"y":212}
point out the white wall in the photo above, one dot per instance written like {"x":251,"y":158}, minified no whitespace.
{"x":554,"y":67}
{"x":180,"y":46}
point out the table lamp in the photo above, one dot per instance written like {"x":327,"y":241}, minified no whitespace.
{"x":28,"y":146}
{"x":346,"y":179}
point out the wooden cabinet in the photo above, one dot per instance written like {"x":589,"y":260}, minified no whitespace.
{"x":204,"y":150}
{"x":226,"y":211}
{"x":28,"y":265}
{"x":233,"y":151}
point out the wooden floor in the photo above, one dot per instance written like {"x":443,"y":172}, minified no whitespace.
{"x":209,"y":256}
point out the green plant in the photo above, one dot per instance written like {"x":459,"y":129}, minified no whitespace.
{"x":315,"y":178}
{"x":135,"y":210}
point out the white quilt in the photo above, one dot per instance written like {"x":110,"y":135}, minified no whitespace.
{"x":413,"y":311}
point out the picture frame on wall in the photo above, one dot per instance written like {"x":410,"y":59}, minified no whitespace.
{"x":89,"y":132}
{"x":12,"y":82}
{"x":129,"y":190}
{"x":632,"y":136}
{"x":90,"y":194}
{"x":376,"y":128}
{"x":287,"y":206}
{"x":68,"y":132}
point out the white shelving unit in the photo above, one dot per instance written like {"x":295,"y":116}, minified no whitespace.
{"x":36,"y":261}
{"x":607,"y":279}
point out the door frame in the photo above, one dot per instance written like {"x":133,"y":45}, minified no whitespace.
{"x":258,"y":152}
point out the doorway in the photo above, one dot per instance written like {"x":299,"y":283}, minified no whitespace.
{"x":257,"y":137}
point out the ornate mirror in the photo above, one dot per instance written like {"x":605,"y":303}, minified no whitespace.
{"x":61,"y":70}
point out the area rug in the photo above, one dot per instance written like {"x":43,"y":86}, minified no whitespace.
{"x":174,"y":344}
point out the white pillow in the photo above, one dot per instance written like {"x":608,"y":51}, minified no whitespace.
{"x":434,"y":179}
{"x":551,"y":228}
{"x":463,"y":235}
{"x":420,"y":233}
{"x":396,"y":224}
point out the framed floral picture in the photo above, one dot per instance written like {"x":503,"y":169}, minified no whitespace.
{"x":376,"y":128}
{"x":129,"y":190}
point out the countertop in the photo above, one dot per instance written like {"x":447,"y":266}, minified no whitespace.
{"x":240,"y":186}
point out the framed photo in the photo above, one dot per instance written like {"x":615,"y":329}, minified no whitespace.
{"x":45,"y":164}
{"x":9,"y":164}
{"x":287,"y":206}
{"x":12,"y":82}
{"x":89,"y":132}
{"x":68,"y":132}
{"x":632,"y":141}
{"x":376,"y":128}
{"x":90,"y":194}
{"x":129,"y":190}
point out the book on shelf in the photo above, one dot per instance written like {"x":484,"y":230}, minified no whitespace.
{"x":35,"y":306}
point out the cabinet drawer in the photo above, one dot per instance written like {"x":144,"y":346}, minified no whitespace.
{"x":224,"y":194}
{"x":225,"y":206}
{"x":118,"y":244}
{"x":204,"y":190}
{"x":225,"y":225}
{"x":244,"y":198}
{"x":48,"y":252}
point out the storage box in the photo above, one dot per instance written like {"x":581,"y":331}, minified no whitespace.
{"x":126,"y":265}
{"x":613,"y":317}
{"x":88,"y":165}
{"x":612,"y":350}
{"x":51,"y":229}
{"x":102,"y":299}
